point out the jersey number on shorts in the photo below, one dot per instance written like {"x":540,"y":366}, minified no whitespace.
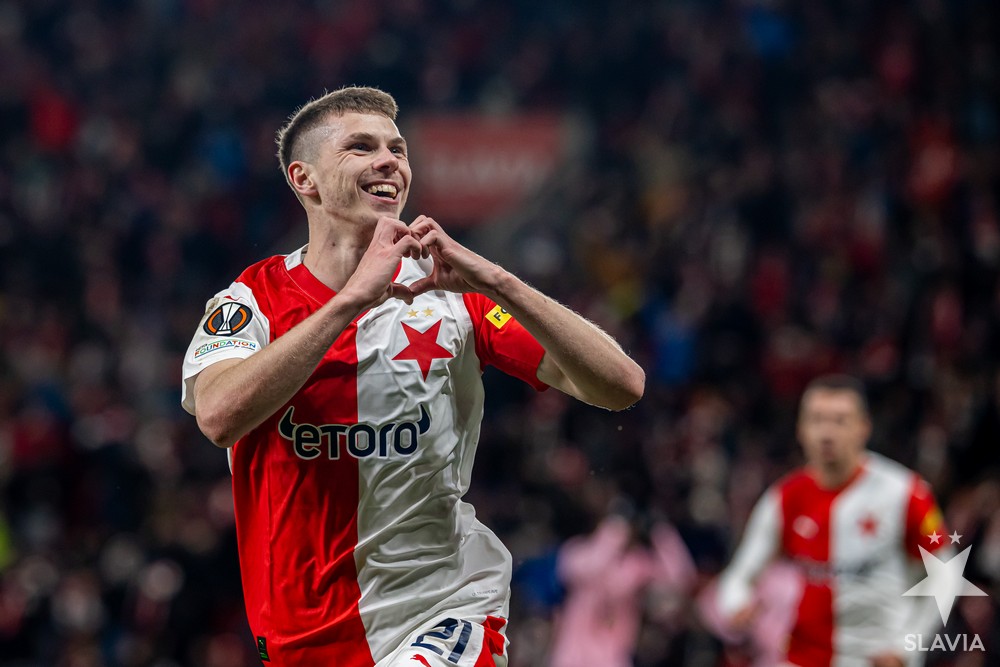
{"x":447,"y":630}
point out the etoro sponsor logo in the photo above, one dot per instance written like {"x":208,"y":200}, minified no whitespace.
{"x":227,"y":344}
{"x":358,"y":440}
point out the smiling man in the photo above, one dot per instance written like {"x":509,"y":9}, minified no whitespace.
{"x":344,"y":379}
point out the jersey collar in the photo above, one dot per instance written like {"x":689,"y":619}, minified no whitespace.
{"x":309,"y":283}
{"x":304,"y":278}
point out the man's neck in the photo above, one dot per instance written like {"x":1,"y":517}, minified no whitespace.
{"x":836,"y":477}
{"x":334,"y":252}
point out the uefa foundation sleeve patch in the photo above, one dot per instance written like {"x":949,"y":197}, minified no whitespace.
{"x":498,"y":317}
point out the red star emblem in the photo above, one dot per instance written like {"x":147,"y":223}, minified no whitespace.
{"x":423,"y":347}
{"x":868,"y":525}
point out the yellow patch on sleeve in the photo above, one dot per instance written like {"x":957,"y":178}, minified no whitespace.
{"x":498,"y":317}
{"x":932,"y":521}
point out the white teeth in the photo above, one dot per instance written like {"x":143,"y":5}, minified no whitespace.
{"x":382,"y":188}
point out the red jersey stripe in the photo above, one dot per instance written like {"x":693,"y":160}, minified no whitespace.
{"x":315,"y":568}
{"x":807,"y":536}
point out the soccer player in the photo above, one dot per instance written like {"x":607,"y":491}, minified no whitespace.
{"x":853,"y":521}
{"x":344,"y":380}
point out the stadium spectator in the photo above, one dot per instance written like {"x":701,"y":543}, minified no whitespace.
{"x":620,"y":575}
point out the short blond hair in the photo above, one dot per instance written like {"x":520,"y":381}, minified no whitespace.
{"x":293,"y":140}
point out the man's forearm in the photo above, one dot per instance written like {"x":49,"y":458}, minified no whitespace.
{"x":758,"y":547}
{"x":590,"y":359}
{"x":232,"y":399}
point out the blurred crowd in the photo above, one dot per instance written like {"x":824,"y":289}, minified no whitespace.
{"x":773,"y":189}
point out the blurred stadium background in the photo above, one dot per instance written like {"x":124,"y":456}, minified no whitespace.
{"x":745,"y":192}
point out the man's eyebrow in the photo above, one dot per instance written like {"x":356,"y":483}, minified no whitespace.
{"x":359,"y":136}
{"x":372,"y":139}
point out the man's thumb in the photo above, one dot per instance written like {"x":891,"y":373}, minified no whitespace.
{"x":418,"y":287}
{"x":400,"y":291}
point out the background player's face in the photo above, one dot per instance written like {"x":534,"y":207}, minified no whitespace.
{"x":833,"y":429}
{"x":362,"y":168}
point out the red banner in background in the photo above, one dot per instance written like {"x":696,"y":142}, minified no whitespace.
{"x":470,"y":168}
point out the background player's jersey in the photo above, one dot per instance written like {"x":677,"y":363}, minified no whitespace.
{"x":857,"y":548}
{"x":351,"y":528}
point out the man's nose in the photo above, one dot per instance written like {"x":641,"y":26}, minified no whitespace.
{"x":386,"y":160}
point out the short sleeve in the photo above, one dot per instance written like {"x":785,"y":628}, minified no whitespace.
{"x":233,"y":327}
{"x":502,"y":342}
{"x":923,"y":519}
{"x":759,"y":545}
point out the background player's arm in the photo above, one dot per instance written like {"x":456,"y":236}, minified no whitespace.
{"x":923,"y":517}
{"x":235,"y":395}
{"x":580,"y":359}
{"x":759,"y":546}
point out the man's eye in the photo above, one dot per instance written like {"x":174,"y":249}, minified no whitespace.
{"x":397,"y":150}
{"x":360,"y":147}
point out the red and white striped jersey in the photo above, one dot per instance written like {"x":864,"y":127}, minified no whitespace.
{"x":857,"y":549}
{"x":351,"y":527}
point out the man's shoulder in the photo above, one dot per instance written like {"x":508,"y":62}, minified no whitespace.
{"x":885,"y":469}
{"x":264,"y":270}
{"x":796,"y":480}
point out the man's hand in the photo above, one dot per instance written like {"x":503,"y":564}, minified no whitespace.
{"x":579,"y":360}
{"x":743,"y":619}
{"x":887,"y":660}
{"x":456,"y":268}
{"x":371,"y":283}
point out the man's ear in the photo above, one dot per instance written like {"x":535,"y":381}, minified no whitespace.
{"x":300,"y":176}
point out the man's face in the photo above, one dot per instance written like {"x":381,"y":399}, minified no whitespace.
{"x":833,"y":429}
{"x":361,"y":168}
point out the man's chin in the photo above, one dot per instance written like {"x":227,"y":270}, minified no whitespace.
{"x":384,"y":206}
{"x":387,"y":211}
{"x":373,"y":215}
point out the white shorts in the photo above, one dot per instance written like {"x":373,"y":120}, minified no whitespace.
{"x":453,"y":642}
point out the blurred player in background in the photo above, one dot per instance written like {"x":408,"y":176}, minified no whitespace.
{"x":853,"y":522}
{"x":344,"y":379}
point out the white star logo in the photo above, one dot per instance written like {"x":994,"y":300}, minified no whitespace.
{"x":945,"y":581}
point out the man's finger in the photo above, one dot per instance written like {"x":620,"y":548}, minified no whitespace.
{"x":430,"y":239}
{"x":423,"y":225}
{"x":418,"y":287}
{"x":386,"y":222}
{"x":400,"y":291}
{"x":407,"y":246}
{"x":390,"y":228}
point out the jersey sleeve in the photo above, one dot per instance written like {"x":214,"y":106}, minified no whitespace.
{"x":502,"y":342}
{"x":233,"y":327}
{"x":923,"y":519}
{"x":925,"y":528}
{"x":757,"y":548}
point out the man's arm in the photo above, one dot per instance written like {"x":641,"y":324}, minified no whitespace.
{"x":236,"y":395}
{"x":580,"y":359}
{"x":923,"y":517}
{"x":759,"y":545}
